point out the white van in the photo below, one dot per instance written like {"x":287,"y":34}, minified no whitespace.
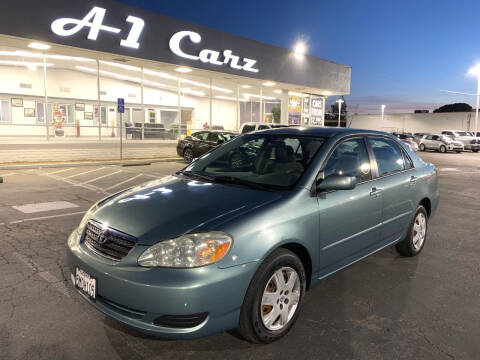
{"x":255,"y":126}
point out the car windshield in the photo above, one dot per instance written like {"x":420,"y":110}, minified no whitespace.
{"x":263,"y":161}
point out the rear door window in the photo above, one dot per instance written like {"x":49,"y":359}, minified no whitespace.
{"x":388,"y":155}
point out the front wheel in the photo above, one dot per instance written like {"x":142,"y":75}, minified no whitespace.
{"x":422,"y":147}
{"x":413,"y":243}
{"x":443,"y":149}
{"x":274,"y":297}
{"x":475,"y":150}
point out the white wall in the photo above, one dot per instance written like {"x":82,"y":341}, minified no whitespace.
{"x":69,"y":87}
{"x":432,"y":122}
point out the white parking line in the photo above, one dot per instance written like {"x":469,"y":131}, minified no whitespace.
{"x":448,"y":169}
{"x":83,"y":173}
{"x":74,"y":183}
{"x":46,"y":217}
{"x":5,"y":175}
{"x":101,"y":177}
{"x":59,"y":171}
{"x":123,"y":182}
{"x":45,"y":206}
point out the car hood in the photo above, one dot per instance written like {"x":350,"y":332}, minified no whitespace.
{"x":169,"y":207}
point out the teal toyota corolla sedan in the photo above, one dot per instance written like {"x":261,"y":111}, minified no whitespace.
{"x":236,"y":238}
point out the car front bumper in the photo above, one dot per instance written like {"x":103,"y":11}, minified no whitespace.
{"x":136,"y":296}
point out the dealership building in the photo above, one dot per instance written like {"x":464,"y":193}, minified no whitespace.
{"x":65,"y":64}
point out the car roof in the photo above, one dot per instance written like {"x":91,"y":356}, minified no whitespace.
{"x":321,"y":131}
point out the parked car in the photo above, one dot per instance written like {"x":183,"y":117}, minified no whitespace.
{"x":201,"y":142}
{"x":419,"y":136}
{"x":255,"y":126}
{"x":150,"y":131}
{"x":442,"y":143}
{"x":216,"y":247}
{"x":469,"y":142}
{"x":408,"y":139}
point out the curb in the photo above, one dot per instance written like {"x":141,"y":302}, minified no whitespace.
{"x":139,"y":162}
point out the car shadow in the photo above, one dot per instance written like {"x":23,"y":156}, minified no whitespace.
{"x":356,"y":307}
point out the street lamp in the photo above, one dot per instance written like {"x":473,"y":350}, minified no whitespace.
{"x":339,"y":102}
{"x":475,"y":71}
{"x":383,"y":112}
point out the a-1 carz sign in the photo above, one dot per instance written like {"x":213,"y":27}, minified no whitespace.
{"x":94,"y":23}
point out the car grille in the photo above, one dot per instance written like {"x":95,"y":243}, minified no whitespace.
{"x":107,"y":242}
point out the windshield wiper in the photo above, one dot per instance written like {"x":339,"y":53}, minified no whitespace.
{"x":251,"y":184}
{"x":196,"y":175}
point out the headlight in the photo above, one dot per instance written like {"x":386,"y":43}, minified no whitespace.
{"x":188,"y":251}
{"x":85,"y":219}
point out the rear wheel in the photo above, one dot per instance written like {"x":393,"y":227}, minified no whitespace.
{"x":188,"y":155}
{"x":413,"y":243}
{"x":443,"y":149}
{"x":475,"y":150}
{"x":422,"y":147}
{"x":274,"y":298}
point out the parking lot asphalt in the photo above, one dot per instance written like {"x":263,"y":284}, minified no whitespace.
{"x":384,"y":307}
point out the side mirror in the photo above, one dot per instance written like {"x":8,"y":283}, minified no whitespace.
{"x":220,"y":141}
{"x":337,"y":182}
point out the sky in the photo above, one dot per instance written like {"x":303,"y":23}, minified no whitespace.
{"x":403,"y":53}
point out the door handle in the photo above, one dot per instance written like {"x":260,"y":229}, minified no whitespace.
{"x":375,"y":192}
{"x":413,"y":180}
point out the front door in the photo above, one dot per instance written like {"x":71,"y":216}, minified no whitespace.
{"x":349,"y":219}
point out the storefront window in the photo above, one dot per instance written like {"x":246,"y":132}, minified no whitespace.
{"x":4,"y":111}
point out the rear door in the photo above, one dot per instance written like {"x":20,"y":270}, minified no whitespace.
{"x":397,"y":181}
{"x":435,"y":142}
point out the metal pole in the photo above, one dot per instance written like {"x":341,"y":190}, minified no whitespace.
{"x":121,"y":136}
{"x":99,"y":103}
{"x":476,"y":109}
{"x":179,"y":108}
{"x":260,"y":117}
{"x":143,"y":107}
{"x":339,"y":112}
{"x":238,"y":108}
{"x":45,"y":108}
{"x":211,"y":103}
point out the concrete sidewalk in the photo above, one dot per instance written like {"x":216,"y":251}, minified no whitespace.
{"x":34,"y":151}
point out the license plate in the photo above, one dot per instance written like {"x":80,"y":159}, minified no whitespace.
{"x":86,"y":283}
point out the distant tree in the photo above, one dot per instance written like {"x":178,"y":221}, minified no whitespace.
{"x":457,"y":107}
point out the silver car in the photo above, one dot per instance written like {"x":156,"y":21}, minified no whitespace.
{"x":469,"y":142}
{"x":442,"y":143}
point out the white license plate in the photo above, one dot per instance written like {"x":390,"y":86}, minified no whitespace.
{"x":86,"y":283}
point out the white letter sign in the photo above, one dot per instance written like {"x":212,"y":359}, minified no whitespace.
{"x":93,"y":20}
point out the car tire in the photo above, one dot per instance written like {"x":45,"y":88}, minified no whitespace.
{"x":443,"y":149}
{"x":475,"y":150}
{"x":422,"y":147}
{"x":414,"y":242}
{"x":458,"y":151}
{"x":188,"y":155}
{"x":255,"y":324}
